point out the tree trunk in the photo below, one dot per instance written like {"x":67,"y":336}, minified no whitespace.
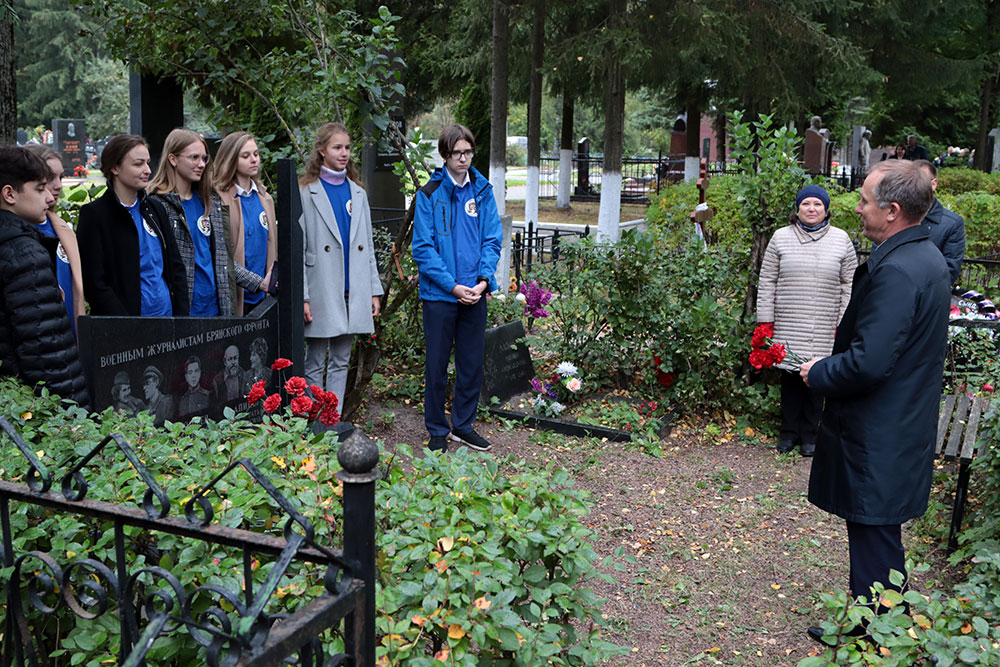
{"x":567,"y":146}
{"x":720,"y":136}
{"x":757,"y":248}
{"x":498,"y":109}
{"x":535,"y":112}
{"x":692,"y":145}
{"x":8,"y":81}
{"x":609,"y":215}
{"x":985,"y":120}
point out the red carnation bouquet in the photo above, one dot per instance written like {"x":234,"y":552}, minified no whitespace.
{"x":322,"y":405}
{"x":765,"y":353}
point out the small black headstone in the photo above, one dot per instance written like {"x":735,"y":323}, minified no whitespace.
{"x":69,"y":138}
{"x":507,"y":367}
{"x":22,"y":137}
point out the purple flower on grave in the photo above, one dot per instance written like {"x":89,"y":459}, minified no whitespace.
{"x":537,"y":385}
{"x":535,"y":299}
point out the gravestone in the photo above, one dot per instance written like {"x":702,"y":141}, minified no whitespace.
{"x":69,"y":139}
{"x":22,"y":137}
{"x":146,"y":363}
{"x":507,"y":367}
{"x":816,"y":154}
{"x":583,"y":187}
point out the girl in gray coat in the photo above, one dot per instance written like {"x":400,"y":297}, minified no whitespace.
{"x":341,"y":284}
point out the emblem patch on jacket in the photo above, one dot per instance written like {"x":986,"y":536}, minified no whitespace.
{"x":149,"y":229}
{"x":349,"y":207}
{"x":470,"y":208}
{"x":263,"y":219}
{"x":204,"y":226}
{"x":61,"y":253}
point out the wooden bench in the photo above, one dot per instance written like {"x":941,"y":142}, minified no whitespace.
{"x":957,"y":433}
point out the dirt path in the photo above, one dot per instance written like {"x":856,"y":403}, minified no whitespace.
{"x":725,"y":554}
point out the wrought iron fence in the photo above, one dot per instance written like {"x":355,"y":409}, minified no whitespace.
{"x":235,"y":627}
{"x":641,"y":176}
{"x":538,"y":245}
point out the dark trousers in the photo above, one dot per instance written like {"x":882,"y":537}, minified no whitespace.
{"x":874,"y":551}
{"x":801,"y":409}
{"x":448,"y":324}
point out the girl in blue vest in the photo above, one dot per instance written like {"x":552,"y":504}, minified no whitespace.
{"x":68,"y":271}
{"x":341,"y":284}
{"x":252,"y":229}
{"x":194,"y":210}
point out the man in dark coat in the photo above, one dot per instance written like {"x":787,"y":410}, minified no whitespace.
{"x":914,"y":151}
{"x":882,"y":383}
{"x":36,"y":340}
{"x":947,"y":227}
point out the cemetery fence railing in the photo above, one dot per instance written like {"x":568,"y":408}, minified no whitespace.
{"x":236,"y":627}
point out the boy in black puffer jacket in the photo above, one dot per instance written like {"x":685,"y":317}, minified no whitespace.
{"x":36,"y":340}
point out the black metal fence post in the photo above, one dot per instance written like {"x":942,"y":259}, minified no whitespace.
{"x":529,"y":242}
{"x":517,"y":251}
{"x":358,"y":456}
{"x":291,"y":326}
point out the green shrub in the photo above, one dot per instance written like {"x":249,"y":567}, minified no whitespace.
{"x":483,"y":567}
{"x":982,"y":221}
{"x":621,"y":305}
{"x":958,"y":180}
{"x":519,"y":543}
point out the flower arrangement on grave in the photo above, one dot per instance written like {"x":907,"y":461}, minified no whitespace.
{"x":80,"y":171}
{"x":766,"y":353}
{"x":321,"y":405}
{"x":562,"y":387}
{"x":535,"y":300}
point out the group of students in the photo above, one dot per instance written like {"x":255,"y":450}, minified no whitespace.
{"x":199,"y":239}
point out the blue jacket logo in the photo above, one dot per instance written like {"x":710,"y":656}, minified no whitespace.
{"x":470,"y":209}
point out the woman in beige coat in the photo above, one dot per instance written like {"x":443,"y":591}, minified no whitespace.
{"x":253,"y":232}
{"x":805,"y":285}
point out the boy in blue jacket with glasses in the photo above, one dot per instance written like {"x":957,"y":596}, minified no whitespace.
{"x":456,"y":245}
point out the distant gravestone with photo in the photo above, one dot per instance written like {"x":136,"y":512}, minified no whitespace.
{"x":69,"y":139}
{"x":507,"y":367}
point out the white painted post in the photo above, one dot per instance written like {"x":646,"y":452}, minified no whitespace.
{"x":498,"y":179}
{"x":565,"y":174}
{"x":531,"y":196}
{"x":692,"y":167}
{"x":995,"y":133}
{"x":609,"y":214}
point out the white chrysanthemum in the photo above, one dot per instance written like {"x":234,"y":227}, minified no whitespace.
{"x":566,"y":369}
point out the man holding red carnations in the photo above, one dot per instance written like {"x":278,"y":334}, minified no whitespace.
{"x":882,"y":384}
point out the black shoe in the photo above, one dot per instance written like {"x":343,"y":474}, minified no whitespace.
{"x":808,"y":448}
{"x":438,"y":443}
{"x":785,"y":446}
{"x":472,"y":439}
{"x":815,"y":633}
